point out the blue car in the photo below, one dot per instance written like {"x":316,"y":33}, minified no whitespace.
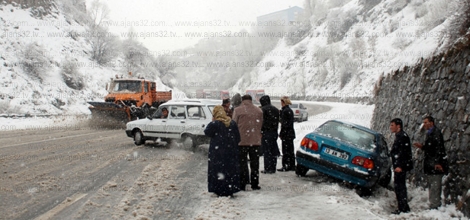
{"x":348,"y":152}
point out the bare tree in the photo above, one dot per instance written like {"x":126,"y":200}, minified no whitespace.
{"x":98,"y":13}
{"x":104,"y":44}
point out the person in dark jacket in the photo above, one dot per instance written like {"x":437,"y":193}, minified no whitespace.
{"x":402,"y":163}
{"x":287,"y":135}
{"x":223,"y":173}
{"x":435,"y":162}
{"x":226,"y":105}
{"x":269,"y":128}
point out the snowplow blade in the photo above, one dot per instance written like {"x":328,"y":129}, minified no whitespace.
{"x":109,"y":115}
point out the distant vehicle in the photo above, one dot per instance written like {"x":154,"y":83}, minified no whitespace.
{"x":212,"y":94}
{"x":255,"y":94}
{"x":129,"y":99}
{"x":348,"y":152}
{"x":186,"y":122}
{"x":300,"y":111}
{"x":224,"y":94}
{"x":200,"y":94}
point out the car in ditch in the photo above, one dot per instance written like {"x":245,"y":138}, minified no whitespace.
{"x":185,"y":122}
{"x":346,"y":151}
{"x":300,"y":111}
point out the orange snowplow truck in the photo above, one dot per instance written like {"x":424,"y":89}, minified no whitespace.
{"x":129,"y":99}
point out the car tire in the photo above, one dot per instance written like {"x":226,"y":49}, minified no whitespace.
{"x":301,"y":170}
{"x":189,"y":141}
{"x":385,"y":180}
{"x":138,"y":138}
{"x":306,"y":118}
{"x":364,"y":191}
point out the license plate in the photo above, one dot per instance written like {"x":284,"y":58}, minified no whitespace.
{"x":335,"y":153}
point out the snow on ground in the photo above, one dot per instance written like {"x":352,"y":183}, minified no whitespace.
{"x":286,"y":196}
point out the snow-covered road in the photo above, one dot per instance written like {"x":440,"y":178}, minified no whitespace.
{"x":75,"y":172}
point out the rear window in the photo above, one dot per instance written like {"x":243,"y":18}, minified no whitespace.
{"x":348,"y":134}
{"x":294,"y":105}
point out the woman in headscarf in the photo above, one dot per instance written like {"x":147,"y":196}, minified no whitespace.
{"x":223,"y":172}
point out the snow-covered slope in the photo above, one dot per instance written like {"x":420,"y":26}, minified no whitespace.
{"x":351,"y":44}
{"x":55,"y":40}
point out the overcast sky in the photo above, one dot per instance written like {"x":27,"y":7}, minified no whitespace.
{"x":160,"y":17}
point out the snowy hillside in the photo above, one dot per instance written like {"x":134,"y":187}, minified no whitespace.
{"x":35,"y":56}
{"x":351,"y":44}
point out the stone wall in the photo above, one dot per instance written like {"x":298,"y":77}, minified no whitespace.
{"x":440,"y":87}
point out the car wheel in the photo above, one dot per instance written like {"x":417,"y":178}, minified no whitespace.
{"x":300,"y":170}
{"x":189,"y":141}
{"x":138,"y":138}
{"x":385,"y":180}
{"x":364,"y":191}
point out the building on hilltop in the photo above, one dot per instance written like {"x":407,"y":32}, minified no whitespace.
{"x":280,"y":19}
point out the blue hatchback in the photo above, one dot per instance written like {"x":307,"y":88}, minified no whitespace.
{"x":346,"y":151}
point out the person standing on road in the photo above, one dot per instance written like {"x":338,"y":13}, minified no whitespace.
{"x":249,"y":119}
{"x":435,"y":162}
{"x":223,"y":173}
{"x":402,"y":163}
{"x":287,"y":135}
{"x":236,"y":101}
{"x":269,"y":145}
{"x":226,"y":105}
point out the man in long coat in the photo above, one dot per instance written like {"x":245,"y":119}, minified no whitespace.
{"x":249,"y":119}
{"x":269,"y":129}
{"x":287,"y":135}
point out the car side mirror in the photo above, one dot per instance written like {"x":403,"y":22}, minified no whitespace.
{"x":149,"y":117}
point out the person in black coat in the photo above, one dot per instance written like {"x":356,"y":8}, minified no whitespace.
{"x":287,"y":135}
{"x":435,"y":163}
{"x":402,"y":163}
{"x":223,"y":174}
{"x":269,"y":129}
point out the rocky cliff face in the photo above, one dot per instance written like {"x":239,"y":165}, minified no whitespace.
{"x":438,"y":86}
{"x":41,"y":8}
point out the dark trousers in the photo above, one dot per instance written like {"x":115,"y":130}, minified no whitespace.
{"x":288,"y":156}
{"x":400,"y":191}
{"x":270,"y":150}
{"x":253,"y":153}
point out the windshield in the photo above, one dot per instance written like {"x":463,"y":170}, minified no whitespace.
{"x":211,"y":107}
{"x":348,"y":134}
{"x":126,"y":86}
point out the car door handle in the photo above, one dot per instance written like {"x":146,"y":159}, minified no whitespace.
{"x":182,"y":121}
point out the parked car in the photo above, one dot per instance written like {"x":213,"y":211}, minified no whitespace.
{"x":348,"y":152}
{"x":186,"y":122}
{"x":300,"y":111}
